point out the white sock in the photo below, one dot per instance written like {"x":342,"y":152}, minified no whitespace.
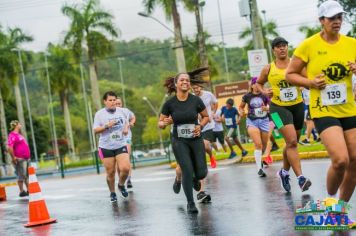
{"x":258,"y":157}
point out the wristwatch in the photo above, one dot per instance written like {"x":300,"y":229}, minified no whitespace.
{"x":106,"y":126}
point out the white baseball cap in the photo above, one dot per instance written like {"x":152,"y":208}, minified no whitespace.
{"x":330,"y":8}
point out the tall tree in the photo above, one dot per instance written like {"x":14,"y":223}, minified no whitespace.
{"x":309,"y":31}
{"x":64,"y":80}
{"x":269,"y":31}
{"x":171,"y":12}
{"x":90,"y":25}
{"x":15,"y":38}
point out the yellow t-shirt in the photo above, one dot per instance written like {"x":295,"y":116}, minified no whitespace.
{"x":284,"y":93}
{"x":336,"y":100}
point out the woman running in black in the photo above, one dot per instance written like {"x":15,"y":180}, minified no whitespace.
{"x":187,"y":143}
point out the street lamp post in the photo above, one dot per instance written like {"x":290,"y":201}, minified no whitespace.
{"x":157,"y":115}
{"x":268,"y":43}
{"x":223,"y":43}
{"x":56,"y":150}
{"x":178,"y":43}
{"x":27,"y":103}
{"x":122,"y":81}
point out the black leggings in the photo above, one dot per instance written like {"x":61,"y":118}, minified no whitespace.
{"x":190,"y":155}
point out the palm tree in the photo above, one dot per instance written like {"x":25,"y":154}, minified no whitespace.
{"x":309,"y":31}
{"x":268,"y":30}
{"x":64,"y":80}
{"x":171,"y":12}
{"x":89,"y":24}
{"x":15,"y":38}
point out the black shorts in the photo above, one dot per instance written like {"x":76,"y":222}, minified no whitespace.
{"x":104,"y":153}
{"x":290,"y":114}
{"x":323,"y":123}
{"x":208,"y":135}
{"x":219,"y":135}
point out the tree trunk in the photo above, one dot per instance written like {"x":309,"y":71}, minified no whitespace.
{"x":19,"y":108}
{"x":203,"y":57}
{"x":95,"y":93}
{"x":3,"y":125}
{"x":68,"y":126}
{"x":178,"y":39}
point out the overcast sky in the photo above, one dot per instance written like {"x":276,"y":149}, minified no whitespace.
{"x":44,"y":21}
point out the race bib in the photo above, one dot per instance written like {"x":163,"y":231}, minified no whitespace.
{"x":333,"y":94}
{"x":228,"y":121}
{"x":288,"y":94}
{"x":185,"y":131}
{"x":259,"y":112}
{"x":116,"y":136}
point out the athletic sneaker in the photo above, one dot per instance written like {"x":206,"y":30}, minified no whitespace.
{"x":212,"y":162}
{"x":244,"y":153}
{"x":203,"y":197}
{"x":24,"y":194}
{"x":176,"y":186}
{"x":191,"y":208}
{"x":275,"y":147}
{"x":261,"y":173}
{"x":232,"y":155}
{"x":124,"y":193}
{"x":304,"y":142}
{"x":304,"y":183}
{"x":196,"y":184}
{"x":284,"y":180}
{"x":129,"y":184}
{"x":113,"y":197}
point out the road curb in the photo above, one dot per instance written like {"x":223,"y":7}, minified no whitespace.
{"x":276,"y":157}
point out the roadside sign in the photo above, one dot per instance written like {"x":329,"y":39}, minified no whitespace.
{"x":257,"y":59}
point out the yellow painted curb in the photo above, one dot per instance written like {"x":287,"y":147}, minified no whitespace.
{"x":8,"y":184}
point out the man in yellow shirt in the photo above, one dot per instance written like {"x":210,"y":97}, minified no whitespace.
{"x":330,"y":60}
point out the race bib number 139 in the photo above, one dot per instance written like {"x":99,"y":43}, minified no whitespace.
{"x":334,"y":94}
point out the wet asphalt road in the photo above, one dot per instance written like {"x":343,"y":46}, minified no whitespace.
{"x":242,"y":204}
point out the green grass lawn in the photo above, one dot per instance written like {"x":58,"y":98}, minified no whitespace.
{"x":250,"y":148}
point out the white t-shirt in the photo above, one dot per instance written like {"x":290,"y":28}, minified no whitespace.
{"x":306,"y":96}
{"x":113,"y":137}
{"x":129,"y":115}
{"x":218,"y":124}
{"x":208,"y":99}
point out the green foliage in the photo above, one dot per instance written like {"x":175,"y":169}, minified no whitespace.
{"x":309,"y":31}
{"x":151,"y":131}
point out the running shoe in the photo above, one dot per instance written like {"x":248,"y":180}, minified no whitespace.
{"x":212,"y":162}
{"x":124,"y":193}
{"x":284,"y":181}
{"x":176,"y":186}
{"x":264,"y":164}
{"x":304,"y":183}
{"x":113,"y":197}
{"x":232,"y":155}
{"x":244,"y":153}
{"x":318,"y":140}
{"x":305,"y":142}
{"x":129,"y":183}
{"x":191,"y":208}
{"x":203,"y":197}
{"x":275,"y":147}
{"x":261,"y":173}
{"x":196,"y":185}
{"x":24,"y":194}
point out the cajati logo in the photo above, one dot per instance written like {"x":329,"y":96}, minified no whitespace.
{"x":327,"y":214}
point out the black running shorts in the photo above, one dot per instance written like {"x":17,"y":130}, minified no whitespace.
{"x":323,"y":123}
{"x":104,"y":153}
{"x":290,"y":114}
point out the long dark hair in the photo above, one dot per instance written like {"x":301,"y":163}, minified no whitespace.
{"x":195,"y":79}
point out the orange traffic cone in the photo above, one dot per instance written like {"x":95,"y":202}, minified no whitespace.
{"x":37,"y":209}
{"x":2,"y":193}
